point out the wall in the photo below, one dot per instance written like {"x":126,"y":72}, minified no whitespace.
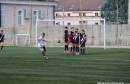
{"x":95,"y":35}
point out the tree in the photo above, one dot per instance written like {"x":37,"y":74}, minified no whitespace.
{"x":109,"y":8}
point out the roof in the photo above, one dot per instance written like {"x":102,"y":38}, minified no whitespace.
{"x":74,"y":5}
{"x":28,"y":3}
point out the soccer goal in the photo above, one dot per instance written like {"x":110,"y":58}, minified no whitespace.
{"x":54,"y":29}
{"x":22,"y":39}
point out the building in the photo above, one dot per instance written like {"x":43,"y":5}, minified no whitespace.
{"x":23,"y":13}
{"x":73,"y":10}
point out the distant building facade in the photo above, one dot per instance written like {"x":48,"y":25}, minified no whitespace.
{"x":71,"y":10}
{"x":23,"y":13}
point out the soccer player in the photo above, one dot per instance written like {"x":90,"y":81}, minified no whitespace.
{"x":66,"y":40}
{"x":77,"y":41}
{"x":83,"y":37}
{"x":1,"y":40}
{"x":69,"y":37}
{"x":72,"y":48}
{"x":41,"y":45}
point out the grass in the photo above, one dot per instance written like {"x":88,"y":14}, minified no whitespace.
{"x":25,"y":65}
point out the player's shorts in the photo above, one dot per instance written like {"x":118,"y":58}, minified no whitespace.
{"x":72,"y":41}
{"x":83,"y":44}
{"x":66,"y":40}
{"x":77,"y":41}
{"x":1,"y":41}
{"x":43,"y":48}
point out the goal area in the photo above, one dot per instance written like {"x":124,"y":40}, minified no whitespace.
{"x":54,"y":30}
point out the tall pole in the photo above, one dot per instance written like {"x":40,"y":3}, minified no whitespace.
{"x":81,"y":11}
{"x":47,"y":17}
{"x":30,"y":20}
{"x":117,"y":21}
{"x":63,"y":14}
{"x":81,"y":18}
{"x":14,"y":29}
{"x":128,"y":11}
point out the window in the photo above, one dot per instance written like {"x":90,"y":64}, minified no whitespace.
{"x":68,"y":14}
{"x":2,"y":17}
{"x":80,"y":22}
{"x":84,"y":14}
{"x":56,"y":14}
{"x":84,"y":22}
{"x":68,"y":23}
{"x":80,"y":14}
{"x":96,"y":14}
{"x":20,"y":17}
{"x":34,"y":17}
{"x":96,"y":23}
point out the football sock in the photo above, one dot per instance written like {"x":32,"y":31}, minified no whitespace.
{"x":2,"y":47}
{"x":43,"y":53}
{"x":78,"y":49}
{"x":67,"y":47}
{"x":83,"y":51}
{"x":71,"y":49}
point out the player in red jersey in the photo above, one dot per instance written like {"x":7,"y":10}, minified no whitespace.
{"x":72,"y":50}
{"x":69,"y":37}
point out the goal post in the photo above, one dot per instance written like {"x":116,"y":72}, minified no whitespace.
{"x":25,"y":39}
{"x":52,"y":23}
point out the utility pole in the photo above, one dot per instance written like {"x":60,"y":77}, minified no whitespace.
{"x":47,"y":18}
{"x":128,"y":11}
{"x":117,"y":22}
{"x":63,"y":14}
{"x":81,"y":11}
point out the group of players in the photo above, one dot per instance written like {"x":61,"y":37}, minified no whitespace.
{"x":1,"y":40}
{"x":76,"y":40}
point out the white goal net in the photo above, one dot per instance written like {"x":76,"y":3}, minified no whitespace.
{"x":22,"y":40}
{"x":54,"y":29}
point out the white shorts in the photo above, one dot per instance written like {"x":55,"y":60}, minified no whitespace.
{"x":41,"y":47}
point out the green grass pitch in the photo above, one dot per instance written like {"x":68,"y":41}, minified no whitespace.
{"x":25,"y":65}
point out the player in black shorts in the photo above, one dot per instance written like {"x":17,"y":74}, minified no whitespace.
{"x":66,"y":39}
{"x":1,"y":40}
{"x":83,"y":37}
